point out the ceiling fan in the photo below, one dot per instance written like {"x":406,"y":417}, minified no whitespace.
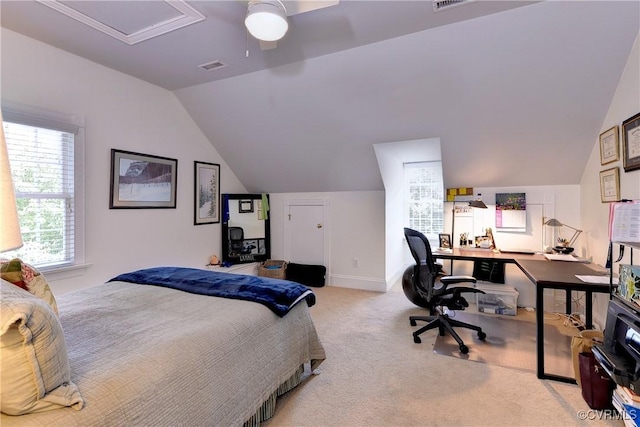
{"x":266,"y":20}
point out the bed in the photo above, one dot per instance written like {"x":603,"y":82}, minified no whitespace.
{"x":150,"y":354}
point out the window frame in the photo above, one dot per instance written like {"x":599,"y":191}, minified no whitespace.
{"x":432,"y":235}
{"x":71,"y":123}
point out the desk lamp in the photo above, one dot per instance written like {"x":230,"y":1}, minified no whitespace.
{"x":568,"y":247}
{"x":10,"y":237}
{"x":478,"y":203}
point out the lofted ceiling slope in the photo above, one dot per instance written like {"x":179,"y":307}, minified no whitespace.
{"x":516,"y":91}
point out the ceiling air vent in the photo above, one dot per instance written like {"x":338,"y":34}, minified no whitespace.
{"x":439,"y":5}
{"x":213,"y":65}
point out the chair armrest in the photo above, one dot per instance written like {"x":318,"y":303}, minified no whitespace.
{"x":450,"y":280}
{"x":457,"y":290}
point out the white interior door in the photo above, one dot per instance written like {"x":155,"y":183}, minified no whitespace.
{"x":304,"y":231}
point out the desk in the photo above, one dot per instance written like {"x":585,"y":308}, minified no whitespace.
{"x":559,"y":275}
{"x":462,"y":254}
{"x":545,"y":275}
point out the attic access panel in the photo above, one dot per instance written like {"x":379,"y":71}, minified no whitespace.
{"x":129,"y":21}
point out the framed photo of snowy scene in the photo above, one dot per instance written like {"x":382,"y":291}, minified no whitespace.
{"x":142,"y":181}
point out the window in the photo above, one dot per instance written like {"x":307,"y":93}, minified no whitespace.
{"x":424,"y":198}
{"x":45,"y":154}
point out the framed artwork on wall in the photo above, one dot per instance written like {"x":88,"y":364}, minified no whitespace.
{"x":631,"y":142}
{"x":207,"y":193}
{"x":610,"y":185}
{"x":142,"y":181}
{"x":609,"y":146}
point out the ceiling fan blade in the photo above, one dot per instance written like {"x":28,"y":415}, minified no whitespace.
{"x":295,"y":7}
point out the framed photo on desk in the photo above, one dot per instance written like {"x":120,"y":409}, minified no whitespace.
{"x":445,"y":241}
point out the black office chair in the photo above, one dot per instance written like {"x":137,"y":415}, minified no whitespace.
{"x":236,"y":240}
{"x":426,"y":286}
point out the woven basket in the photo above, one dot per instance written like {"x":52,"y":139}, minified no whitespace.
{"x":275,"y":273}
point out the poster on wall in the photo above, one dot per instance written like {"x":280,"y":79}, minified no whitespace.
{"x":511,"y":212}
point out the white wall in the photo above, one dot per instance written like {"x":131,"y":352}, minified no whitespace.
{"x":125,"y":113}
{"x":595,"y":214}
{"x":391,"y":157}
{"x":359,"y":228}
{"x":356,"y":220}
{"x":355,"y":229}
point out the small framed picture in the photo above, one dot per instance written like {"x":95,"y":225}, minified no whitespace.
{"x":245,"y":206}
{"x":445,"y":241}
{"x":610,"y":185}
{"x":609,"y":146}
{"x":631,"y":142}
{"x":207,"y":193}
{"x":259,"y":210}
{"x":482,"y":241}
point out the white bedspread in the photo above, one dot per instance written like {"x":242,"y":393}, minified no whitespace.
{"x":151,"y":356}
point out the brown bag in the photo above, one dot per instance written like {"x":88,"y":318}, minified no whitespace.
{"x":582,"y":344}
{"x":597,"y":387}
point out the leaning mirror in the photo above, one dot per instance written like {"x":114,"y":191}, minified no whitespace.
{"x":245,"y":228}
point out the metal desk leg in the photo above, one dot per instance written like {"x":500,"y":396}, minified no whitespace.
{"x":567,"y":302}
{"x":540,"y":340}
{"x":588,"y":309}
{"x":540,"y":330}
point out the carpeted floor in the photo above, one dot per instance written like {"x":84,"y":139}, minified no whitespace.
{"x":511,"y":341}
{"x":375,"y":375}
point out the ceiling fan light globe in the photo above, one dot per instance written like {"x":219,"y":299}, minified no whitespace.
{"x":266,"y":21}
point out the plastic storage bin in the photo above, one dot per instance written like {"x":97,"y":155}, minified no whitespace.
{"x":498,"y":299}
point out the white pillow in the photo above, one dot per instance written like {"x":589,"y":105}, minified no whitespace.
{"x":33,"y":356}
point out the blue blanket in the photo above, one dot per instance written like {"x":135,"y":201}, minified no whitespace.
{"x":279,"y":295}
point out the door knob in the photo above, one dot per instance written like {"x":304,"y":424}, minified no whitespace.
{"x":319,"y":225}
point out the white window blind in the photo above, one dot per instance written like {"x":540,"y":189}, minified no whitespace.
{"x":42,"y":158}
{"x":424,"y":198}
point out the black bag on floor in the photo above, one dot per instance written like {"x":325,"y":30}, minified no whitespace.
{"x":310,"y":275}
{"x":597,"y":387}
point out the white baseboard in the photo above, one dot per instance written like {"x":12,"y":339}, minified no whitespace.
{"x":357,"y":282}
{"x":398,"y":276}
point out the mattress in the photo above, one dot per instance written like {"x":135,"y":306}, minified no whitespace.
{"x":148,"y":355}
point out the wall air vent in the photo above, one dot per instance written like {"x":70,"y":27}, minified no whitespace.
{"x":439,"y":5}
{"x":213,"y":65}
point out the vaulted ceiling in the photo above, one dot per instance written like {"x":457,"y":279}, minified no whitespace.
{"x":516,"y":91}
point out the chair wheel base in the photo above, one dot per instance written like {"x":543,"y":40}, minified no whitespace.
{"x":482,"y":336}
{"x":464,"y":349}
{"x":417,"y":340}
{"x":412,"y":322}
